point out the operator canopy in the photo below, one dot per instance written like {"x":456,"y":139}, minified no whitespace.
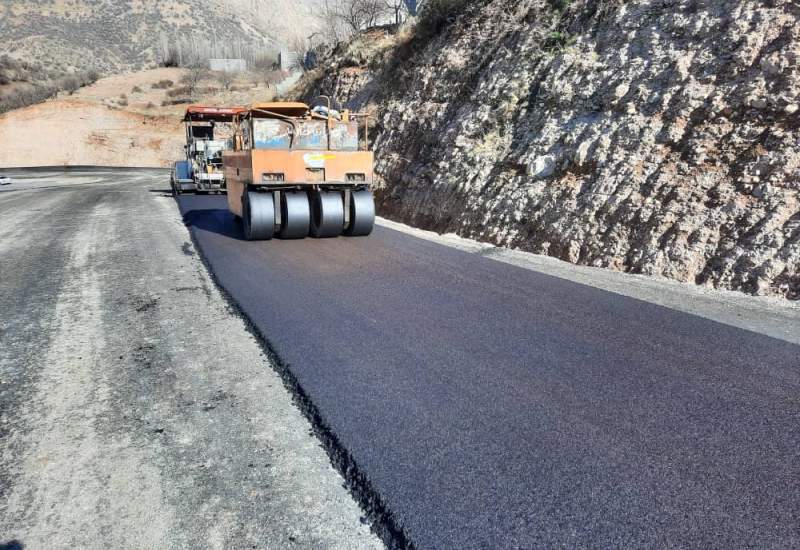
{"x":202,"y":113}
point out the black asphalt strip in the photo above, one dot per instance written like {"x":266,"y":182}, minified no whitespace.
{"x":474,"y":404}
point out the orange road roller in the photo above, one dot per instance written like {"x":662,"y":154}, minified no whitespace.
{"x":295,"y":171}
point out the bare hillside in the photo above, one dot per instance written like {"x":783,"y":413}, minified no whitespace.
{"x":110,"y":35}
{"x":125,"y":120}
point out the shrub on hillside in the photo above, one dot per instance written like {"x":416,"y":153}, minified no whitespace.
{"x":559,"y":5}
{"x":70,"y":84}
{"x":180,"y":101}
{"x":9,"y":69}
{"x":438,"y":14}
{"x":264,"y":63}
{"x":23,"y":98}
{"x":7,"y":62}
{"x":163,"y":85}
{"x":182,"y":91}
{"x":39,"y":86}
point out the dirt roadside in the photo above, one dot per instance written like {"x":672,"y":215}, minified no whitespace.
{"x":135,"y":409}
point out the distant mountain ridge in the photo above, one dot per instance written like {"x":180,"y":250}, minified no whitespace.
{"x":115,"y":35}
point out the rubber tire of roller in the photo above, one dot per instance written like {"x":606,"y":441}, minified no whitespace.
{"x":327,"y":214}
{"x":295,"y":215}
{"x":362,"y":214}
{"x":258,"y":216}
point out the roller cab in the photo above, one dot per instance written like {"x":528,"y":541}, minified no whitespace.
{"x":295,"y":172}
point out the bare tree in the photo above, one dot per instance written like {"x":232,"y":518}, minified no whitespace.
{"x":196,"y":73}
{"x":267,"y":71}
{"x":397,"y":7}
{"x":226,"y":78}
{"x":270,"y":78}
{"x":366,"y":13}
{"x":335,"y":31}
{"x":344,"y":18}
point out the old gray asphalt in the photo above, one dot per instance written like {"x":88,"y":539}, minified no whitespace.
{"x":136,"y":410}
{"x":489,"y":406}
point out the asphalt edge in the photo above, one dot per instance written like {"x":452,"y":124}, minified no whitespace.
{"x":381,"y":519}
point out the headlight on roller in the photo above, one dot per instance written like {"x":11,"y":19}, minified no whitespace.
{"x":356,"y":178}
{"x":272,"y":177}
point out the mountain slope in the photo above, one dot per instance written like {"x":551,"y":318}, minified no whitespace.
{"x":113,"y":35}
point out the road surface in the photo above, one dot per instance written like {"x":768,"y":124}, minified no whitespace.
{"x":469,"y":403}
{"x":482,"y":405}
{"x":136,"y":410}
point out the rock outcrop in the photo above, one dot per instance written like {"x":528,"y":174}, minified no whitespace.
{"x":653,"y":136}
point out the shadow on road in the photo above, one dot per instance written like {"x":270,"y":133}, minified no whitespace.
{"x":214,"y":220}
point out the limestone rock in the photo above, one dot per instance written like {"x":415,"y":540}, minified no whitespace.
{"x":653,"y":140}
{"x":542,"y":167}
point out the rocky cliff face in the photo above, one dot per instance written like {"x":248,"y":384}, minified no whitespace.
{"x":652,"y":136}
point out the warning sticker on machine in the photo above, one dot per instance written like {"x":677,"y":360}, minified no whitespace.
{"x":317,"y":160}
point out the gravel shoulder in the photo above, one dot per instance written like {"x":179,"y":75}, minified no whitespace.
{"x":136,"y":410}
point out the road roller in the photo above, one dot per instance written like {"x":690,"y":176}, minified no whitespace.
{"x":296,"y":172}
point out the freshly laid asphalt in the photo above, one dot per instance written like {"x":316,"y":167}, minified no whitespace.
{"x":490,"y":406}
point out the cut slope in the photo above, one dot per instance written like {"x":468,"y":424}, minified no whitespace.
{"x":646,"y":136}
